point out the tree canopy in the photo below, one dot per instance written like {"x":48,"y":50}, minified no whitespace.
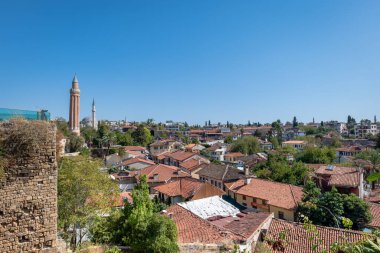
{"x":278,"y":169}
{"x":247,"y":145}
{"x":316,"y":155}
{"x":138,"y":226}
{"x":83,"y":193}
{"x":329,"y":208}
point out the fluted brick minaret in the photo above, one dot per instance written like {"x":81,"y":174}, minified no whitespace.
{"x":74,"y":107}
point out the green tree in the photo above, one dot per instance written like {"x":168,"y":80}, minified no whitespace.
{"x":89,"y":134}
{"x":124,"y":139}
{"x":356,"y":210}
{"x":75,"y":143}
{"x":62,"y":126}
{"x":103,"y":129}
{"x":228,"y":139}
{"x":247,"y":145}
{"x":142,"y":136}
{"x":329,"y":208}
{"x":138,"y":226}
{"x":316,"y":155}
{"x":378,"y":141}
{"x":374,"y":157}
{"x":108,"y":139}
{"x":84,"y":192}
{"x":295,"y":122}
{"x":278,"y":169}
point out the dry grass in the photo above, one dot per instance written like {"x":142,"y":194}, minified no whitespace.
{"x":21,"y":138}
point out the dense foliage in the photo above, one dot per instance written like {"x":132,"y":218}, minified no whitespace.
{"x":310,"y":154}
{"x":84,"y":192}
{"x":138,"y":226}
{"x":104,"y":137}
{"x":328,"y":208}
{"x":247,"y":145}
{"x":277,"y":168}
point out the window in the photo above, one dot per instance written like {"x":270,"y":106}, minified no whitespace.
{"x":254,"y":200}
{"x":265,"y":202}
{"x":281,"y":215}
{"x":212,"y":181}
{"x":244,"y":198}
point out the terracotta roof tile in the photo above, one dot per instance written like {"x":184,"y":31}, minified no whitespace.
{"x":185,"y":187}
{"x":192,"y":164}
{"x":324,"y":170}
{"x":190,"y":146}
{"x":277,"y":194}
{"x":345,"y":180}
{"x":165,"y":173}
{"x":375,"y":212}
{"x":244,"y":224}
{"x":298,"y":238}
{"x":179,"y":155}
{"x":193,"y":229}
{"x":124,"y":196}
{"x":134,"y":148}
{"x":135,"y":153}
{"x":137,"y":160}
{"x":221,"y":172}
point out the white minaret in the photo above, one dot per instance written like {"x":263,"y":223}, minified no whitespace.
{"x":94,"y":122}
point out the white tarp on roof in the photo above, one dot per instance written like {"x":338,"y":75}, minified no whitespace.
{"x":210,"y":207}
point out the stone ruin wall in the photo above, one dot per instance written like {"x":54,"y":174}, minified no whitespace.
{"x":28,"y":197}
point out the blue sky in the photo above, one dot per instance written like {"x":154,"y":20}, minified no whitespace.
{"x":193,"y":60}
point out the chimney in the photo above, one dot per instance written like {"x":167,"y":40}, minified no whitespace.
{"x":246,"y":170}
{"x":155,"y":177}
{"x":247,"y":180}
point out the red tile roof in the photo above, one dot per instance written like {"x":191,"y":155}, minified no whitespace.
{"x":185,"y":187}
{"x":245,"y":224}
{"x":190,"y":146}
{"x":135,"y":153}
{"x":124,"y":196}
{"x":135,"y":148}
{"x":191,"y":164}
{"x":375,"y":212}
{"x":336,"y":170}
{"x":374,"y":196}
{"x":137,"y":160}
{"x":297,"y":238}
{"x":277,"y":194}
{"x":345,"y":180}
{"x":193,"y":229}
{"x":165,"y":173}
{"x":180,"y":155}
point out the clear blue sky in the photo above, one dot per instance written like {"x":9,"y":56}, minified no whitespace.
{"x":193,"y":60}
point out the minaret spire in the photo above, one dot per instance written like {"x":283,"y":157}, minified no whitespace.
{"x":74,"y":107}
{"x":75,"y":79}
{"x":94,"y":121}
